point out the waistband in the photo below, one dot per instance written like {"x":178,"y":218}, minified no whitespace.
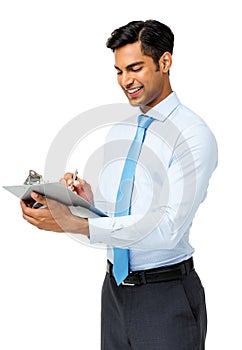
{"x":159,"y":274}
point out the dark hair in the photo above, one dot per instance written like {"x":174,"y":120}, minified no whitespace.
{"x":156,"y":38}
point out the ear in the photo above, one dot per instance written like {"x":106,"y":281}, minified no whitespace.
{"x":165,"y":62}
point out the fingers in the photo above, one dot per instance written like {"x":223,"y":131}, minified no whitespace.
{"x":67,"y":180}
{"x":23,"y":205}
{"x":63,"y":181}
{"x":68,"y":176}
{"x":52,"y":217}
{"x":84,"y":190}
{"x":75,"y":185}
{"x":79,"y":186}
{"x":29,"y":214}
{"x":28,"y":209}
{"x":55,"y":217}
{"x":39,"y":198}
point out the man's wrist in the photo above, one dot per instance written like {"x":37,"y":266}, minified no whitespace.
{"x":79,"y":225}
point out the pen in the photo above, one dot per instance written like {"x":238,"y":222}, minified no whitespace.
{"x":74,"y":177}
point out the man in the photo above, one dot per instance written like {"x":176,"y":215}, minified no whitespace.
{"x":159,"y":302}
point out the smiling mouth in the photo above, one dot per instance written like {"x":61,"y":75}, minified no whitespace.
{"x":133,"y":92}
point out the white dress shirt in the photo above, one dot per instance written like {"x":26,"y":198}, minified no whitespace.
{"x":178,"y":157}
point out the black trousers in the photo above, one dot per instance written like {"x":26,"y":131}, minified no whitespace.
{"x":157,"y":316}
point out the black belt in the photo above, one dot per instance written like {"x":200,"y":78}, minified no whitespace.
{"x":159,"y":274}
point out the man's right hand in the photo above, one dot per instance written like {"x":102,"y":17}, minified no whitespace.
{"x":79,"y":186}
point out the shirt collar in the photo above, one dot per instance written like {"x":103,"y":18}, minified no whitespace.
{"x":164,"y":109}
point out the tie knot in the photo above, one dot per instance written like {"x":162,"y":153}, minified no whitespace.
{"x":144,"y":121}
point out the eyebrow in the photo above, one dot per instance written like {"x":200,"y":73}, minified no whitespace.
{"x":131,"y":65}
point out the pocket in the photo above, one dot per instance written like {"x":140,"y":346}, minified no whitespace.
{"x":187,"y":304}
{"x":194,"y":297}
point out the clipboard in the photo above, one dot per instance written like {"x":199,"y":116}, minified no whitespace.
{"x":60,"y":193}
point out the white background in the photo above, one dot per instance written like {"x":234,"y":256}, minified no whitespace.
{"x":54,"y":65}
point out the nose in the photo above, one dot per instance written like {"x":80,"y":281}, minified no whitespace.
{"x":126,"y":79}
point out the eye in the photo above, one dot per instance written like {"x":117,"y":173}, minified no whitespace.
{"x":136,"y":69}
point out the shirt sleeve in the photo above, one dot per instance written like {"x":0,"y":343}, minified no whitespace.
{"x":191,"y":164}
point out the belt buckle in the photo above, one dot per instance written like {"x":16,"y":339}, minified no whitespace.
{"x":128,"y":284}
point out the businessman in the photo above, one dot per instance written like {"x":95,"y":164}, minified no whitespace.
{"x":152,"y":296}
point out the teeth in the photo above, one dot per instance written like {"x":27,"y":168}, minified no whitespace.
{"x":133,"y":90}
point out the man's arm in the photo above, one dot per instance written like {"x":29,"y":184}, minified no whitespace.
{"x":175,"y":202}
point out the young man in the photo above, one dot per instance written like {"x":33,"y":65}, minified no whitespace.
{"x":158,"y":301}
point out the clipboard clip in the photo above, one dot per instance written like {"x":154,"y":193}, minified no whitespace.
{"x":33,"y":178}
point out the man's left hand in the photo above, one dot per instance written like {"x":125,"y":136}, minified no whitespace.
{"x":54,"y":216}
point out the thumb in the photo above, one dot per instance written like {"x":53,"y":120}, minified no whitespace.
{"x":39,"y":198}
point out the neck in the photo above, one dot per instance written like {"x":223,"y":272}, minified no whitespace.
{"x":166,"y":92}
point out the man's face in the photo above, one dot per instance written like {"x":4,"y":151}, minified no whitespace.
{"x":138,"y":76}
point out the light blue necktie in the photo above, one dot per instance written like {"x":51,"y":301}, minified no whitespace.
{"x":123,"y":201}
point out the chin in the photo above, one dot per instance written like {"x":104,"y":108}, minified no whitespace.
{"x":135,"y":103}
